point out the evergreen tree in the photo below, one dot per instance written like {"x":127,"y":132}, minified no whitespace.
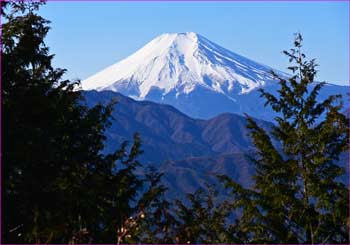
{"x":202,"y":220}
{"x":297,"y":196}
{"x":155,"y":220}
{"x":57,"y":186}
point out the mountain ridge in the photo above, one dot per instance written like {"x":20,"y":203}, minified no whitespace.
{"x":189,"y":152}
{"x":167,"y":130}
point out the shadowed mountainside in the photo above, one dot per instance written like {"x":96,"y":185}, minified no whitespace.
{"x":190,"y":152}
{"x":168,"y":134}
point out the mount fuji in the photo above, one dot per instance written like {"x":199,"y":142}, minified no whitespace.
{"x":203,"y":80}
{"x":195,"y":75}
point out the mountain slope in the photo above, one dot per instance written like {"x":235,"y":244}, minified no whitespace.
{"x":180,"y":62}
{"x":190,"y":152}
{"x":195,"y":75}
{"x":168,"y":134}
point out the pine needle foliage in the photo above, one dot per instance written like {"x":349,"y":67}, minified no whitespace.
{"x":297,"y":196}
{"x":57,"y":186}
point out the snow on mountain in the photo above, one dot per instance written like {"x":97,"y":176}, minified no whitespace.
{"x":180,"y":62}
{"x":191,"y":73}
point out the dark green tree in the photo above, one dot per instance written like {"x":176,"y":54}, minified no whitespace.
{"x":202,"y":218}
{"x":297,"y":196}
{"x":154,"y":221}
{"x":57,"y":186}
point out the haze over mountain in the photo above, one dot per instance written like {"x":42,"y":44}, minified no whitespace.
{"x":190,"y":152}
{"x":168,"y":134}
{"x":195,"y":75}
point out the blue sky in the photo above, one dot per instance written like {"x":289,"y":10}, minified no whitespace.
{"x":88,"y":36}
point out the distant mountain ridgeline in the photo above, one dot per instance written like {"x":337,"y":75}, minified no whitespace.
{"x":190,"y":152}
{"x":168,"y":134}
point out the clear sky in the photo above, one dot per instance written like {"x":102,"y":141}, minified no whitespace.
{"x":89,"y":36}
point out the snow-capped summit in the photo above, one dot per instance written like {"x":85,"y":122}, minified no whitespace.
{"x":193,"y":74}
{"x":180,"y":62}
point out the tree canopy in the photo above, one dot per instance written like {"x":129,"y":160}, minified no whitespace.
{"x":297,"y":196}
{"x":57,"y":185}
